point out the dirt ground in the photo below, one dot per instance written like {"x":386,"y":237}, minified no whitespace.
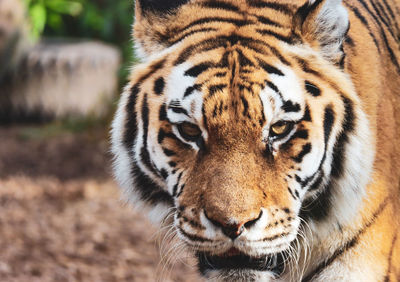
{"x":61,"y":218}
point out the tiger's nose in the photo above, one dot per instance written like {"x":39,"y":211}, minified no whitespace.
{"x":233,"y":230}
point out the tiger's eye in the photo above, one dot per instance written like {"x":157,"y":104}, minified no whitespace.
{"x":189,"y":130}
{"x":280,"y":128}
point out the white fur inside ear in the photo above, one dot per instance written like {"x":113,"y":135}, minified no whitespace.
{"x":331,"y":25}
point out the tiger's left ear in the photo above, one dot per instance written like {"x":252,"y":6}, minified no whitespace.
{"x":323,"y":24}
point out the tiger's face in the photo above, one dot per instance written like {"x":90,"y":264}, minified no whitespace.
{"x":240,"y":135}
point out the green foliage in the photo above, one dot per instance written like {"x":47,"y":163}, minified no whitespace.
{"x":106,"y":20}
{"x":50,"y":12}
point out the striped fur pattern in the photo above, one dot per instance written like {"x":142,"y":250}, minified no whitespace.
{"x":318,"y":202}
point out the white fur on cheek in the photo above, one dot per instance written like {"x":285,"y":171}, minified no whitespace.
{"x":122,"y":166}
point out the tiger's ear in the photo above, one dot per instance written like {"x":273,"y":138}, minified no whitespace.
{"x":152,"y":26}
{"x":323,"y":24}
{"x":161,"y":6}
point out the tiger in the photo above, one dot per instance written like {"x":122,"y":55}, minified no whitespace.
{"x":267,"y":134}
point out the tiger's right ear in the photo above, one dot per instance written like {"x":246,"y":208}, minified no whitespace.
{"x":323,"y":24}
{"x":152,"y":26}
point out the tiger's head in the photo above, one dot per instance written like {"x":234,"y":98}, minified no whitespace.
{"x":242,"y":125}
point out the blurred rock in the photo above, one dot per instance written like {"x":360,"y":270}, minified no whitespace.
{"x":56,"y":79}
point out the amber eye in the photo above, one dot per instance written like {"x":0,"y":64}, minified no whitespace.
{"x":281,"y":128}
{"x":189,"y":131}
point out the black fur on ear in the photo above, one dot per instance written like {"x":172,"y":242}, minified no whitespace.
{"x":160,"y":5}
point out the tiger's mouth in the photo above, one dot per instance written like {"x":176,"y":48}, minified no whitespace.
{"x":235,"y":259}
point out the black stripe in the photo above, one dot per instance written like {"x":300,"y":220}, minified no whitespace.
{"x":275,"y":88}
{"x":245,"y":105}
{"x":291,"y":193}
{"x":281,"y":37}
{"x":268,"y":21}
{"x":212,"y":89}
{"x":268,"y":68}
{"x":306,"y":67}
{"x":175,"y":188}
{"x":164,"y":173}
{"x":220,"y":5}
{"x":220,"y":74}
{"x":189,"y":91}
{"x":193,"y":237}
{"x":162,"y":116}
{"x":243,"y":60}
{"x":317,"y":183}
{"x":383,"y":34}
{"x":307,"y":115}
{"x":203,"y":111}
{"x":289,"y":106}
{"x":312,"y":89}
{"x":387,"y":6}
{"x":381,"y":18}
{"x":168,"y":152}
{"x":187,"y":34}
{"x":262,"y":119}
{"x":221,"y":41}
{"x":178,"y":110}
{"x":161,"y":136}
{"x":305,"y":10}
{"x":131,"y":119}
{"x":272,"y":238}
{"x":389,"y":270}
{"x":196,"y":70}
{"x":236,"y":22}
{"x":301,"y":134}
{"x":365,"y":22}
{"x":152,"y":69}
{"x":279,"y":55}
{"x":282,"y":8}
{"x":349,"y":41}
{"x":329,"y":119}
{"x":382,"y":13}
{"x":159,"y":85}
{"x":242,"y":87}
{"x":339,"y":149}
{"x":180,"y":191}
{"x":350,"y":244}
{"x":144,"y":152}
{"x":207,"y":44}
{"x":319,"y":208}
{"x":304,"y":151}
{"x":179,"y":141}
{"x":148,"y":190}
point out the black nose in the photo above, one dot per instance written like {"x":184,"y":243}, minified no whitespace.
{"x":233,"y":230}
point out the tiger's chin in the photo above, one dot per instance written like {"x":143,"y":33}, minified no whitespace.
{"x":235,"y":265}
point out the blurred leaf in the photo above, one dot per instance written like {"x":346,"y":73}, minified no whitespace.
{"x":55,"y":21}
{"x":73,"y":8}
{"x":38,"y":19}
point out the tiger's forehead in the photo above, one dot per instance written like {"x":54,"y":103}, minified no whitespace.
{"x":233,"y":88}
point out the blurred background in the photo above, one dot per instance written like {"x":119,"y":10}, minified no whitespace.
{"x":62,"y":66}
